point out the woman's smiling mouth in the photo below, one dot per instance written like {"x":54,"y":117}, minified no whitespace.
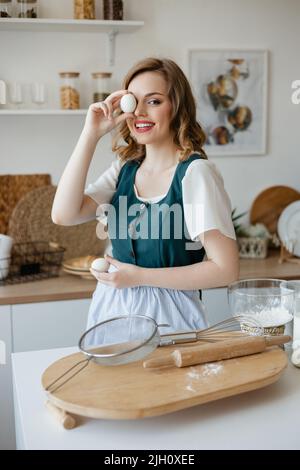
{"x":143,"y":126}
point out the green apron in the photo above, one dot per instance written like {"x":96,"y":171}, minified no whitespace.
{"x":151,"y":235}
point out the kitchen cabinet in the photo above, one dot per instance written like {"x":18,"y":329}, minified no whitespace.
{"x":46,"y":325}
{"x":7,"y":434}
{"x":34,"y":326}
{"x":39,"y":25}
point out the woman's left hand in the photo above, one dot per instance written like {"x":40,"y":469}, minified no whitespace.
{"x":127,"y":275}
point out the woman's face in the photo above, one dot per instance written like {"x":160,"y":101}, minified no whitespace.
{"x":153,"y":112}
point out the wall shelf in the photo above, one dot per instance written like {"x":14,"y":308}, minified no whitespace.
{"x":49,"y":112}
{"x":68,"y":25}
{"x":111,"y":28}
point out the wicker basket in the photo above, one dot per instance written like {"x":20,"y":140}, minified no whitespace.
{"x":253,"y":247}
{"x":32,"y":261}
{"x":31,"y":221}
{"x":12,"y":189}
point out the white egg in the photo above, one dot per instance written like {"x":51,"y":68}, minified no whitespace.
{"x":296,"y":357}
{"x":100,"y":264}
{"x":128,"y":103}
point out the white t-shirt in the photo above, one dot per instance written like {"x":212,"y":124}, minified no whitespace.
{"x":206,"y":203}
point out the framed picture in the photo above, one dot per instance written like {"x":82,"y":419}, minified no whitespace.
{"x":230,"y":87}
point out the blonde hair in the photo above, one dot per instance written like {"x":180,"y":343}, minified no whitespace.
{"x":189,"y":136}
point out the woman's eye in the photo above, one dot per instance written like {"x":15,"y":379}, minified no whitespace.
{"x":154,"y":101}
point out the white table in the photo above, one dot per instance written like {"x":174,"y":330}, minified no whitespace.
{"x":262,"y":419}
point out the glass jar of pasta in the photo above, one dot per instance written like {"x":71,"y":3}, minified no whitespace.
{"x":101,"y":86}
{"x":27,"y":9}
{"x":69,"y":90}
{"x":84,"y":9}
{"x":113,"y":9}
{"x":5,"y":9}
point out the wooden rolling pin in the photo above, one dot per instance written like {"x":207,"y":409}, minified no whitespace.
{"x":200,"y":354}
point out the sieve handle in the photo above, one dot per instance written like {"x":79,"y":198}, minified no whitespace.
{"x":82,"y":365}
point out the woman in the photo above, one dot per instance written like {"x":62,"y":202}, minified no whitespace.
{"x":163,"y":175}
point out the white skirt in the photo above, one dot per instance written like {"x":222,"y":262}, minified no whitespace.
{"x":181,"y":309}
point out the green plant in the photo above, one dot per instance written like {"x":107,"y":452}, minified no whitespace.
{"x":253,"y":231}
{"x":236,"y":217}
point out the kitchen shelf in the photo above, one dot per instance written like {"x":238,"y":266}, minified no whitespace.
{"x":16,"y":112}
{"x":111,"y":28}
{"x":68,"y":25}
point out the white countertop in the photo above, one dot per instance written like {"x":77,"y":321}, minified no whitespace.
{"x":267,"y":418}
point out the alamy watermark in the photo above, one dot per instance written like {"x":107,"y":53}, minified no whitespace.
{"x":295,"y":97}
{"x":166,"y":221}
{"x":2,"y":353}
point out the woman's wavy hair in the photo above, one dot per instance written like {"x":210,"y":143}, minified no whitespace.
{"x":189,"y":136}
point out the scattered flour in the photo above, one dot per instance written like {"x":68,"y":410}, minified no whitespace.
{"x":193,"y":374}
{"x":206,"y":370}
{"x":212,"y":369}
{"x":190,"y":388}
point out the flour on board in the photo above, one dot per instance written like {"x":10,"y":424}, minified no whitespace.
{"x":206,"y":370}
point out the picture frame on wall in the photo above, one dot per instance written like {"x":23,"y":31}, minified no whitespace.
{"x":230,"y":87}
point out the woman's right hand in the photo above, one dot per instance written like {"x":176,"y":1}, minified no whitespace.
{"x":100,"y":117}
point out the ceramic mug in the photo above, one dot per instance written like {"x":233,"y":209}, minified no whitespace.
{"x":6,"y":244}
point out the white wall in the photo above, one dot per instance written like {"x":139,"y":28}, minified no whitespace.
{"x":44,"y":143}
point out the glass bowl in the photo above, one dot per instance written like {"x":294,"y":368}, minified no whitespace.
{"x":295,"y":285}
{"x":269,"y":301}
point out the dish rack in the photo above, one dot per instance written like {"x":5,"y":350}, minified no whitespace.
{"x":31,"y":261}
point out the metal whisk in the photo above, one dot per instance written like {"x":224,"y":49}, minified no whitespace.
{"x":240,"y":325}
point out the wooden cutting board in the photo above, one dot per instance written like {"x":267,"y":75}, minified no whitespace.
{"x":83,"y":263}
{"x":132,"y":392}
{"x":269,"y":204}
{"x":82,"y":274}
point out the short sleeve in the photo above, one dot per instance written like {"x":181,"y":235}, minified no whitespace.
{"x":205,"y":201}
{"x":103,"y":189}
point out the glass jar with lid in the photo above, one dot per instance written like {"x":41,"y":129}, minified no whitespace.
{"x":27,"y":9}
{"x":101,"y":86}
{"x":84,"y":9}
{"x":113,"y":9}
{"x":5,"y":9}
{"x":69,"y":90}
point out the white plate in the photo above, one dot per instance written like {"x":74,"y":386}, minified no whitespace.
{"x":289,"y":227}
